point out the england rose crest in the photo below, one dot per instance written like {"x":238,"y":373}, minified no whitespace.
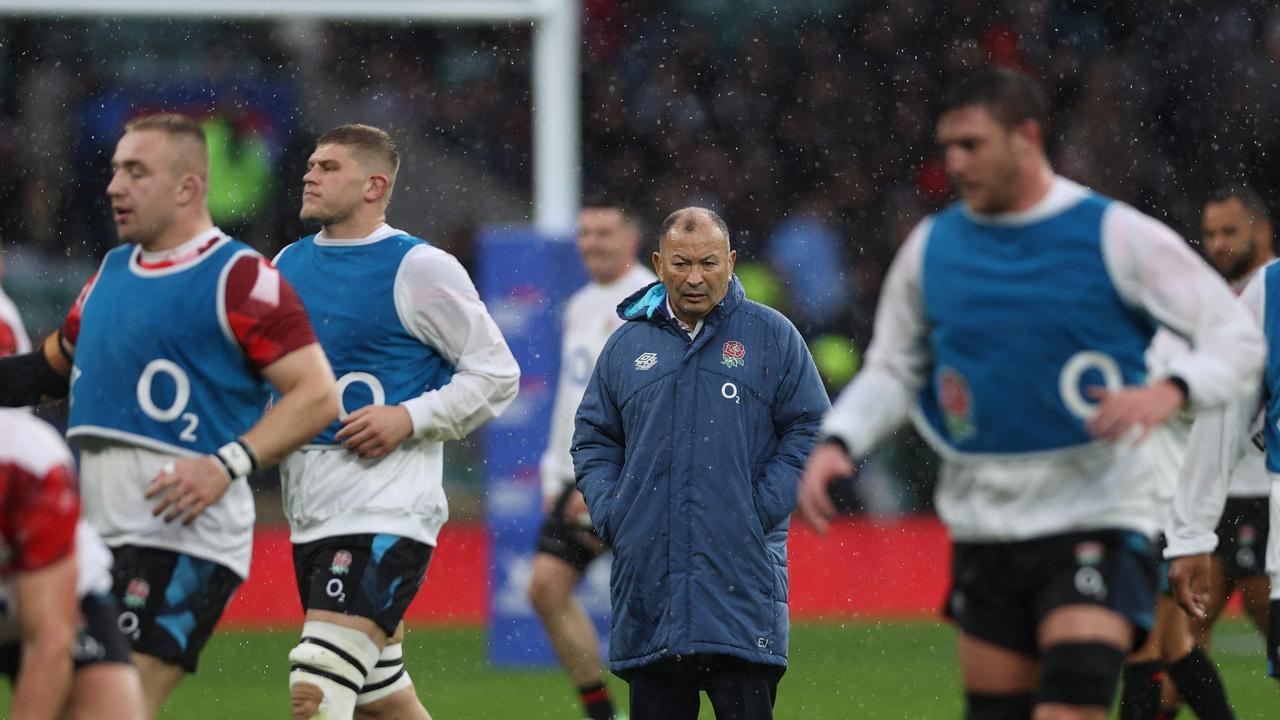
{"x":735,"y":354}
{"x":957,"y":404}
{"x":341,"y":563}
{"x":135,"y":596}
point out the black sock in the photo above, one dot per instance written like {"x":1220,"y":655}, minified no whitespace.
{"x":1201,"y":686}
{"x":1273,"y":641}
{"x":595,"y":699}
{"x":1140,"y":694}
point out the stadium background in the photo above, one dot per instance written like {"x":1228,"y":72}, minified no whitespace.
{"x":808,"y":125}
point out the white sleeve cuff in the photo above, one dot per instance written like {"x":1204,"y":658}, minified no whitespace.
{"x":422,"y":411}
{"x":1198,"y":543}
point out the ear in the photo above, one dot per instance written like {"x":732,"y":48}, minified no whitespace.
{"x":733,"y":260}
{"x":189,"y":188}
{"x":375,"y":188}
{"x":1030,"y":133}
{"x":657,"y":264}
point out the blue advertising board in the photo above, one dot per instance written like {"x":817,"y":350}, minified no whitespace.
{"x":525,"y":279}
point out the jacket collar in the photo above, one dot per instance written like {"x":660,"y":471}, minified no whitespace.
{"x":649,"y":303}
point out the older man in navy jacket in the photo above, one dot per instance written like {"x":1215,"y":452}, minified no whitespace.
{"x":688,"y":447}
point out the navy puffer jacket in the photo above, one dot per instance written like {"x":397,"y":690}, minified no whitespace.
{"x":689,"y":455}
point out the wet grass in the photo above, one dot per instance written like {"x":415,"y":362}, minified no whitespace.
{"x":857,"y":670}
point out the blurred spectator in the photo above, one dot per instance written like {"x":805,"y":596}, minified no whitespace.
{"x":809,"y":254}
{"x":240,"y":172}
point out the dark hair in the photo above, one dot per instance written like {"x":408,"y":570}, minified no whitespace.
{"x":1247,"y":196}
{"x":605,"y":202}
{"x":689,"y":216}
{"x":1010,"y":96}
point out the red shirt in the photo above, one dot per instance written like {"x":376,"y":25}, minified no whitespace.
{"x":8,"y":340}
{"x":39,"y":504}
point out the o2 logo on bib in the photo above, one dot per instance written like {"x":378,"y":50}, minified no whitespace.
{"x":163,"y":393}
{"x":378,"y":394}
{"x":1073,"y":374}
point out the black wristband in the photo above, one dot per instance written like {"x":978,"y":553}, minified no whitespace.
{"x":833,"y":440}
{"x":1182,"y":386}
{"x":27,"y":379}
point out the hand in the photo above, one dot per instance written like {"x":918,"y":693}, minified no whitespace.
{"x":1120,"y":410}
{"x":187,"y":486}
{"x":375,"y":430}
{"x":575,"y":510}
{"x":1189,"y":578}
{"x":828,"y":463}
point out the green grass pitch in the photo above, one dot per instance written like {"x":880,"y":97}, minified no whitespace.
{"x":857,"y":670}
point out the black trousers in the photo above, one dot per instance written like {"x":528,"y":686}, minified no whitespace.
{"x":669,"y":689}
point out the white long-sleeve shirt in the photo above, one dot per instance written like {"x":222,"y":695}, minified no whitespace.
{"x":1021,"y":496}
{"x":1219,"y":439}
{"x":1167,"y":444}
{"x":590,"y":317}
{"x":330,"y":491}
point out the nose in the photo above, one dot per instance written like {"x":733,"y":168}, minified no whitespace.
{"x":115,"y":188}
{"x":955,"y":160}
{"x":695,"y":276}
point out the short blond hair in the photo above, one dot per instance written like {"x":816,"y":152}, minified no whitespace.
{"x":370,"y":143}
{"x":181,"y":128}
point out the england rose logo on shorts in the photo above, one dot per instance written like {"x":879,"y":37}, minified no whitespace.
{"x":1089,"y":553}
{"x":957,"y":404}
{"x":135,"y":596}
{"x":735,"y":354}
{"x":1246,"y":534}
{"x":341,"y":563}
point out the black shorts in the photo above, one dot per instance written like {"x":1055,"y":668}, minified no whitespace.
{"x":100,"y":639}
{"x":575,"y":544}
{"x":1163,"y":565}
{"x":170,"y":602}
{"x":371,"y":576}
{"x":1242,"y":536}
{"x":97,"y":641}
{"x":1001,"y":592}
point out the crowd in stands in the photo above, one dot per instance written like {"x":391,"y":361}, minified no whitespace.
{"x":807,"y":125}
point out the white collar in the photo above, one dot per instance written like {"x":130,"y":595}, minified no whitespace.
{"x":691,"y":331}
{"x":1063,"y":193}
{"x":382,"y":232}
{"x":188,"y":248}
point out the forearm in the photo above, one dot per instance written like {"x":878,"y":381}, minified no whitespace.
{"x":45,"y":676}
{"x":469,"y":400}
{"x":875,"y":404}
{"x":1215,"y":444}
{"x":298,"y":416}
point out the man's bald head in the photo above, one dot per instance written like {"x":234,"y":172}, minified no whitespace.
{"x":189,"y":150}
{"x":692,"y":221}
{"x":694,"y":262}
